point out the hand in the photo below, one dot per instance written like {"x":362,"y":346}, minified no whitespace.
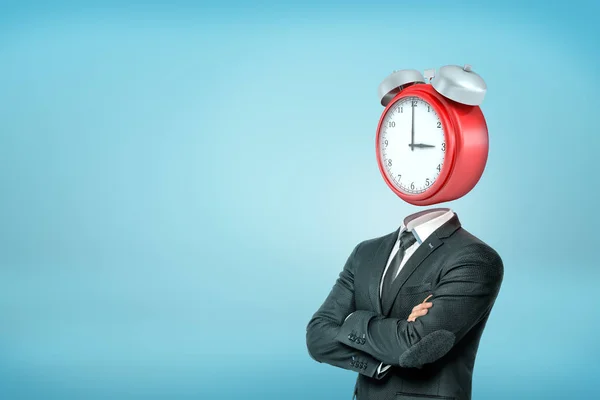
{"x":412,"y":129}
{"x":420,"y":145}
{"x":420,"y":310}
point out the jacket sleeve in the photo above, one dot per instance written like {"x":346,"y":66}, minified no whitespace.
{"x":464,"y":296}
{"x":325,"y":325}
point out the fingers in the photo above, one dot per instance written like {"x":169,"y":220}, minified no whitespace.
{"x":420,"y":309}
{"x":416,"y":314}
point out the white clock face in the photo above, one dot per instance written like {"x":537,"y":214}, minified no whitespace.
{"x":412,"y":145}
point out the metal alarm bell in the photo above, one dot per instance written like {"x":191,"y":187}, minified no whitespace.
{"x":460,"y":84}
{"x":397,"y":81}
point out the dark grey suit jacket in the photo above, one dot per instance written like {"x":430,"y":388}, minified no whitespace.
{"x":431,"y":358}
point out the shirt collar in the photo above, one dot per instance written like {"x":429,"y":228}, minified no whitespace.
{"x":424,"y":223}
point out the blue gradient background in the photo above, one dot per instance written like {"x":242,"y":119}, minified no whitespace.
{"x":181,"y":185}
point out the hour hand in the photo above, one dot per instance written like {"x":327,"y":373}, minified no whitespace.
{"x":420,"y":145}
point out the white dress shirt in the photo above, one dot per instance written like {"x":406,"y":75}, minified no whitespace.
{"x":421,"y":227}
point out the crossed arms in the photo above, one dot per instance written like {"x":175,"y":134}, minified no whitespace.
{"x":361,"y":340}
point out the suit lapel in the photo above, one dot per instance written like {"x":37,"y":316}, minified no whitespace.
{"x":378,"y":263}
{"x":423,"y":251}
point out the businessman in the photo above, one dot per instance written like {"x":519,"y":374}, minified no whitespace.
{"x":408,"y":310}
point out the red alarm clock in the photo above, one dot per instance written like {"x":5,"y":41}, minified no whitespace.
{"x":432,"y":139}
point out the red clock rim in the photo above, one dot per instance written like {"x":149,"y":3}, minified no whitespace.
{"x":449,"y":136}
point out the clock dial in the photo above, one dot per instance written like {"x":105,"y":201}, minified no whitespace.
{"x":412,"y":145}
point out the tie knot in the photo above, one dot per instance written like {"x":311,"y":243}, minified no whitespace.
{"x":407,"y":239}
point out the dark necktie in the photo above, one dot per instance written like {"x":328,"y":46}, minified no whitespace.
{"x":407,"y":239}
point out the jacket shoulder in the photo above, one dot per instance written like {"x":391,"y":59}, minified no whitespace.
{"x":374,"y":243}
{"x":469,"y":247}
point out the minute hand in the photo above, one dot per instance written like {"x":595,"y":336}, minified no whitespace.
{"x":420,"y":145}
{"x":412,"y":128}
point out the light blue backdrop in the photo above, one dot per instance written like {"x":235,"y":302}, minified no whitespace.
{"x":180,"y":186}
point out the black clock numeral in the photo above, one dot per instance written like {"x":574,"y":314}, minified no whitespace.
{"x":427,"y":182}
{"x":444,"y":146}
{"x":402,"y":109}
{"x":391,"y":124}
{"x":428,"y":108}
{"x":439,"y":167}
{"x":399,"y":176}
{"x":385,"y":142}
{"x":414,"y":103}
{"x":439,"y":124}
{"x":389,"y":162}
{"x":412,"y":185}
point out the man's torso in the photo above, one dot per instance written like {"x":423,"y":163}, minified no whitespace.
{"x":449,"y":377}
